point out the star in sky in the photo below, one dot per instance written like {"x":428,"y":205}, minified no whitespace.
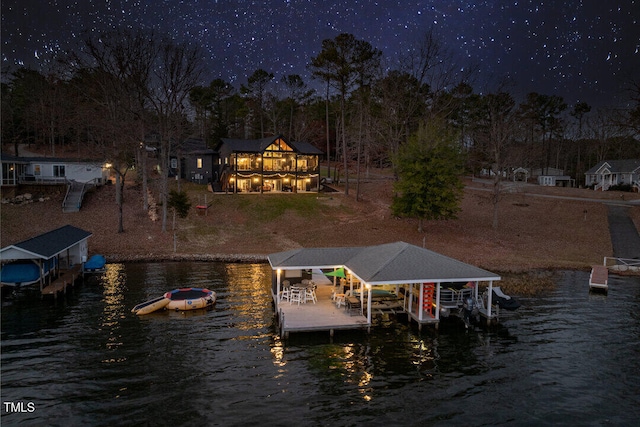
{"x":582,"y":50}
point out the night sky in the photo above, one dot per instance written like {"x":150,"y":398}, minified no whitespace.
{"x":582,"y":50}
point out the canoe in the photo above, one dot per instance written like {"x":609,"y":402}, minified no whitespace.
{"x":151,"y":306}
{"x":190,"y":299}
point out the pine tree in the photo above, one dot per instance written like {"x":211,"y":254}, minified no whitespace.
{"x":429,"y":167}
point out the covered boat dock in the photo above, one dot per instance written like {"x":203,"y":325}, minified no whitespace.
{"x":388,"y":278}
{"x":58,"y":254}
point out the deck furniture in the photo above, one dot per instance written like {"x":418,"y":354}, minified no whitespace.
{"x":285,"y":294}
{"x":310,"y":294}
{"x":353,"y":305}
{"x":296,"y":295}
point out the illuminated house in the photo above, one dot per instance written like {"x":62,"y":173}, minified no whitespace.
{"x":270,"y":164}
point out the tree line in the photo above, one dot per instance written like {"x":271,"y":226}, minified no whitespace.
{"x":125,"y":91}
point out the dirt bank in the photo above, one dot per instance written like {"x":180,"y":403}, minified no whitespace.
{"x":534,"y":232}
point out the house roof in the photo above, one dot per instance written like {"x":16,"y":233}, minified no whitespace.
{"x":392,"y":263}
{"x":47,"y":245}
{"x":7,"y":158}
{"x":306,"y":148}
{"x":195,"y":146}
{"x":616,"y":166}
{"x":42,"y":159}
{"x":260,"y":145}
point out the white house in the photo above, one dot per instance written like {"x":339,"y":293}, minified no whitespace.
{"x":614,"y":172}
{"x":46,"y":170}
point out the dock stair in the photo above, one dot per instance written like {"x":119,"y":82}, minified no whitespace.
{"x":73,"y":199}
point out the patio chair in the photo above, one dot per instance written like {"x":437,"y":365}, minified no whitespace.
{"x":339,"y":300}
{"x":296,"y":295}
{"x":310,"y":294}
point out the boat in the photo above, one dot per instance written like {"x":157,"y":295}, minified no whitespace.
{"x":503,"y":300}
{"x":190,"y":299}
{"x":599,"y":278}
{"x":24,"y":272}
{"x":150,"y":306}
{"x":95,"y":264}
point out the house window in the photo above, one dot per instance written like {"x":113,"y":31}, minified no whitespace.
{"x":58,"y":171}
{"x":174,"y":163}
{"x":279,"y":145}
{"x":199,"y":163}
{"x":36,"y":170}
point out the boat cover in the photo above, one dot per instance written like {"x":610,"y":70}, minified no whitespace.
{"x":96,"y":262}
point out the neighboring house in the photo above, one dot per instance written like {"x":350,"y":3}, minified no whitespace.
{"x":197,"y":162}
{"x":614,"y":172}
{"x":268,"y":164}
{"x":50,"y":170}
{"x":555,"y":181}
{"x":520,"y":174}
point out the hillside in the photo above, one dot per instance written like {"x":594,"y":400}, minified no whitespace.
{"x":534,"y":232}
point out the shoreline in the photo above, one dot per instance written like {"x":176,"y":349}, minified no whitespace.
{"x":181,"y":257}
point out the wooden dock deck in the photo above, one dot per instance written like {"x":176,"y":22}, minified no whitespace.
{"x":65,"y":279}
{"x":599,"y":278}
{"x":321,"y":316}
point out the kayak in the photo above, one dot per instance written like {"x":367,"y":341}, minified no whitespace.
{"x":151,"y":306}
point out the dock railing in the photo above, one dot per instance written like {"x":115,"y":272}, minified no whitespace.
{"x":622,"y":264}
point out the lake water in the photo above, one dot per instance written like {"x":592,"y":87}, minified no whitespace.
{"x":566,"y":358}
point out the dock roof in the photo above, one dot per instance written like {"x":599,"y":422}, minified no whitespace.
{"x":47,"y":245}
{"x":391,"y":263}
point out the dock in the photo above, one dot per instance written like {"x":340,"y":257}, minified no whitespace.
{"x":65,"y":279}
{"x":324,"y":315}
{"x":599,"y":278}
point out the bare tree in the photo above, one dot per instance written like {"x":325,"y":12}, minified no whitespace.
{"x":342,"y":62}
{"x":176,"y":71}
{"x":496,"y":132}
{"x":112,"y":73}
{"x":256,"y":89}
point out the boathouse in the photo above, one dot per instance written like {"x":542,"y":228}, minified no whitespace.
{"x":393,"y":277}
{"x":54,"y":252}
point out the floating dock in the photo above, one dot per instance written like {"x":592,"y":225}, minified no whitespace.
{"x":599,"y":278}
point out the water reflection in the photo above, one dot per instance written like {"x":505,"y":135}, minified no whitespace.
{"x":86,"y":359}
{"x":114,"y":282}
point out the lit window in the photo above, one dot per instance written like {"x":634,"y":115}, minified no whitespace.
{"x":199,"y":163}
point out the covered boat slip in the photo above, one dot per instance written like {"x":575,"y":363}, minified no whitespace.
{"x":414,"y":280}
{"x":62,"y":250}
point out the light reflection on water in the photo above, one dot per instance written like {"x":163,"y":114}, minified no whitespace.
{"x":563,"y":358}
